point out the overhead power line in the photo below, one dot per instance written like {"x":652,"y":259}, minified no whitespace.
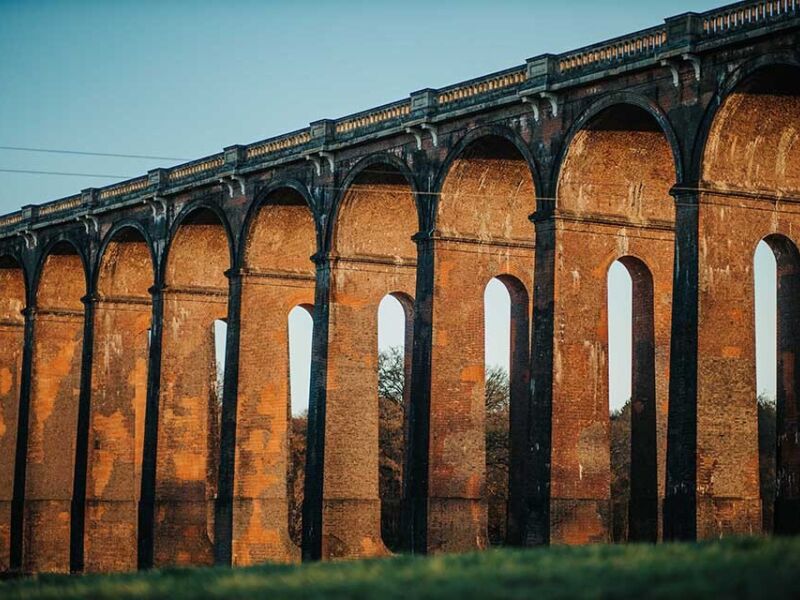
{"x":82,"y":153}
{"x":30,"y":172}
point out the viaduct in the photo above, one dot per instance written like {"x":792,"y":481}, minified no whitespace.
{"x":675,"y":150}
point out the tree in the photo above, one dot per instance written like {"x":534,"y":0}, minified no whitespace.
{"x":497,"y":397}
{"x":767,"y":450}
{"x":620,"y":448}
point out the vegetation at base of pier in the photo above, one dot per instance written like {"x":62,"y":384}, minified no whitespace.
{"x":735,"y":568}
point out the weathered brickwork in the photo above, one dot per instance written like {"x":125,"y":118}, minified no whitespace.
{"x":673,"y":150}
{"x":279,"y":276}
{"x":54,"y":411}
{"x":752,"y":178}
{"x":613,"y":203}
{"x":373,"y":255}
{"x":119,"y":391}
{"x":482,"y":231}
{"x":195,"y":296}
{"x":12,"y":282}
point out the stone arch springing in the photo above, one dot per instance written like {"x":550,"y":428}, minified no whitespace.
{"x":122,"y":323}
{"x":195,"y":295}
{"x":55,"y":392}
{"x":12,"y":323}
{"x":785,"y":487}
{"x":394,"y":348}
{"x":617,"y":171}
{"x":372,"y":254}
{"x":746,"y":172}
{"x":278,"y":276}
{"x":482,"y":228}
{"x":635,"y":514}
{"x":506,"y":391}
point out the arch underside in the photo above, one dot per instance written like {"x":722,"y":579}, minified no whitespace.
{"x":748,"y":165}
{"x":613,"y":201}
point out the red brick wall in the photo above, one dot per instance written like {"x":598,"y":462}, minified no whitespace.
{"x":11,"y":340}
{"x":374,"y":256}
{"x":53,"y":413}
{"x":119,"y":391}
{"x":482,"y":231}
{"x":613,"y":201}
{"x":279,"y":276}
{"x":747,"y":165}
{"x":188,"y":437}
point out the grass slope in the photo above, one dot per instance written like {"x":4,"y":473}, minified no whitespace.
{"x":743,"y":568}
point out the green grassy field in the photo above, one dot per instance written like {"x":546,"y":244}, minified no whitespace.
{"x":741,"y":568}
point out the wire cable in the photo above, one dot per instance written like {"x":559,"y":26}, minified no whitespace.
{"x":82,"y":153}
{"x":62,"y":173}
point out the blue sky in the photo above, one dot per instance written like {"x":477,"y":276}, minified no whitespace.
{"x":184,"y":79}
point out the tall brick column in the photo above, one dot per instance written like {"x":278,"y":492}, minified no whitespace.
{"x":12,"y":342}
{"x":147,"y":494}
{"x":78,"y":508}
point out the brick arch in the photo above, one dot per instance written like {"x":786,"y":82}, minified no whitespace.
{"x":56,"y":376}
{"x":619,"y":160}
{"x":122,"y":322}
{"x":278,"y":275}
{"x":373,"y":254}
{"x":745,"y":170}
{"x":486,"y":193}
{"x":617,"y":168}
{"x":752,"y":133}
{"x":202,"y":225}
{"x":376,"y":213}
{"x":287,"y":192}
{"x":195,"y":296}
{"x":12,"y":303}
{"x":490,"y":168}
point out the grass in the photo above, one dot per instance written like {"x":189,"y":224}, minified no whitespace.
{"x":736,"y":568}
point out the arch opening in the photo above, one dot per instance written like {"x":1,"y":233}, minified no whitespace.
{"x":777,"y":323}
{"x":632,"y":402}
{"x":395,"y":340}
{"x":301,"y":324}
{"x":506,"y":379}
{"x":195,"y":297}
{"x":12,"y":328}
{"x":55,"y":393}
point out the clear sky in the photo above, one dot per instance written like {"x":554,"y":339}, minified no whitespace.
{"x":184,"y":79}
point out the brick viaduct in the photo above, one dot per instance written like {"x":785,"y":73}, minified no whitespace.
{"x":674,"y":150}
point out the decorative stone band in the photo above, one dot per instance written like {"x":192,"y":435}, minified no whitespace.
{"x":276,"y":145}
{"x":195,"y":168}
{"x":377,"y":116}
{"x":642,"y":44}
{"x":480,"y":87}
{"x":60,"y":205}
{"x":745,"y":13}
{"x":127,"y":187}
